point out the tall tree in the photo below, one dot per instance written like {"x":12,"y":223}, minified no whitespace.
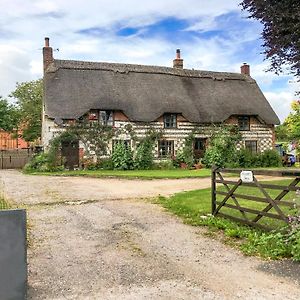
{"x":281,"y":33}
{"x":8,"y":116}
{"x":29,"y":101}
{"x":292,"y":122}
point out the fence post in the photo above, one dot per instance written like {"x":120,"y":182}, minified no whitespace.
{"x":213,"y":189}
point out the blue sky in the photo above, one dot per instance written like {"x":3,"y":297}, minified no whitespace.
{"x":212,"y":35}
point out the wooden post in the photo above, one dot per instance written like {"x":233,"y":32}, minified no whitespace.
{"x":213,"y":189}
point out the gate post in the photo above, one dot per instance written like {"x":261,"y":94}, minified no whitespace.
{"x":213,"y":189}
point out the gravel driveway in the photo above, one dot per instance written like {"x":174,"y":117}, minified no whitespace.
{"x":94,"y":239}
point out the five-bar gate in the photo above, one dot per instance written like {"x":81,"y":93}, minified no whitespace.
{"x":231,"y":196}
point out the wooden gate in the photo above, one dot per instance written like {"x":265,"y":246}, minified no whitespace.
{"x":231,"y":196}
{"x":15,"y":159}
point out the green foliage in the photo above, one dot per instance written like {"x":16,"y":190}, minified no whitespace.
{"x":222,"y":147}
{"x":292,"y":122}
{"x":277,"y":244}
{"x":281,"y":31}
{"x":281,"y":133}
{"x":106,"y":164}
{"x":122,"y":157}
{"x":245,"y":159}
{"x":54,"y":153}
{"x":93,"y":135}
{"x":42,"y":163}
{"x":163,"y":165}
{"x":9,"y":116}
{"x":144,"y":155}
{"x":188,"y":150}
{"x":29,"y":104}
{"x":270,"y":158}
{"x":3,"y":203}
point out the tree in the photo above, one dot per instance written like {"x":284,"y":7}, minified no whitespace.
{"x":8,"y":116}
{"x":281,"y":33}
{"x":292,"y":122}
{"x":281,"y":133}
{"x":29,"y":101}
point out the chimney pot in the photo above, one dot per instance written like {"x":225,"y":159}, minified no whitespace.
{"x":46,"y":42}
{"x":178,"y":62}
{"x":245,"y":69}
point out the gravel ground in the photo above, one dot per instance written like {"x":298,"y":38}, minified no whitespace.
{"x":130,"y":248}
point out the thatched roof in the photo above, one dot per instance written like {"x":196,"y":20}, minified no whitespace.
{"x":144,"y":93}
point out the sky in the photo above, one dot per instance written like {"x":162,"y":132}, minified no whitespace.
{"x":212,"y":35}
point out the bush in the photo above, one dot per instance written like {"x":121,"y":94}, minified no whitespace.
{"x":106,"y":164}
{"x":222,"y":149}
{"x":144,"y":155}
{"x":270,"y":158}
{"x":245,"y":159}
{"x":42,"y":162}
{"x":122,"y":157}
{"x":164,"y":165}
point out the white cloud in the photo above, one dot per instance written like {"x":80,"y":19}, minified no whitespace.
{"x":24,"y":24}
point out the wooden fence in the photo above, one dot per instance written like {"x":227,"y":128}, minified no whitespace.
{"x":15,"y":159}
{"x":250,"y":200}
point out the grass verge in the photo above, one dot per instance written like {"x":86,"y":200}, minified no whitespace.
{"x":194,"y":208}
{"x":141,"y":174}
{"x":3,"y":204}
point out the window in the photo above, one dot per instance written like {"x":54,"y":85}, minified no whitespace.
{"x":165,"y":148}
{"x":106,"y":117}
{"x":251,"y":146}
{"x":244,"y":123}
{"x":170,"y":121}
{"x":199,"y":144}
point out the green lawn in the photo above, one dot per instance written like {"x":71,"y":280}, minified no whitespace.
{"x":194,"y":207}
{"x":142,"y":174}
{"x":193,"y":204}
{"x":3,"y":204}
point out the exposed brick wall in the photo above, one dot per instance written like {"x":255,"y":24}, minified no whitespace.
{"x":120,"y":116}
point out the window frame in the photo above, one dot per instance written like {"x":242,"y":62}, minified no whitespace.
{"x":244,"y":126}
{"x":171,"y":120}
{"x":109,"y":117}
{"x":250,"y":148}
{"x":167,"y":146}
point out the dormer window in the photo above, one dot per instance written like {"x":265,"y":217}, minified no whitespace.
{"x":170,"y":120}
{"x":104,"y":117}
{"x":244,"y":123}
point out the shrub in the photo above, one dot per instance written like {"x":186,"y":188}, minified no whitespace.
{"x":106,"y":164}
{"x":42,"y":162}
{"x":122,"y":157}
{"x":222,"y":149}
{"x":144,"y":155}
{"x":188,"y":151}
{"x":245,"y":159}
{"x":164,"y":165}
{"x":270,"y":158}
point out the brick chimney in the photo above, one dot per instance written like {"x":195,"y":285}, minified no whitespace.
{"x":178,"y":62}
{"x":245,"y":69}
{"x":47,"y":54}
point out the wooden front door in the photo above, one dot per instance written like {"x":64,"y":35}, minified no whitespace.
{"x":199,"y":147}
{"x":70,"y":154}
